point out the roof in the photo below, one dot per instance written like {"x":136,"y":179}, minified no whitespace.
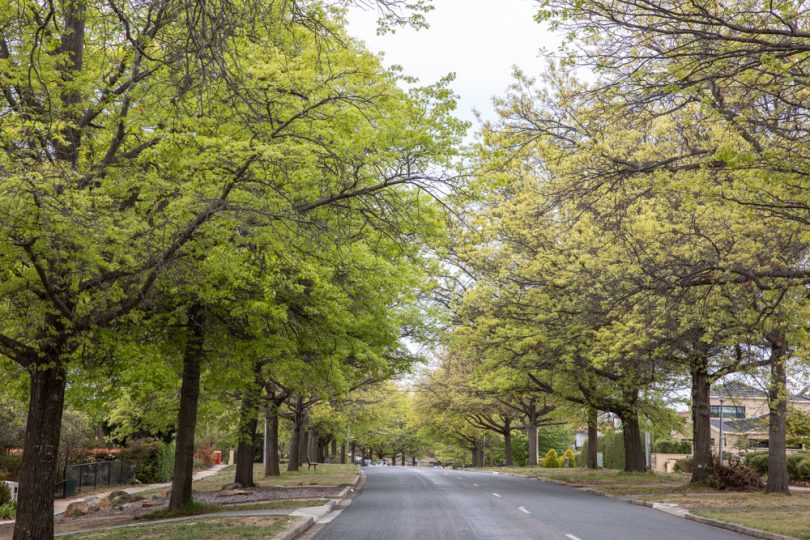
{"x":741,"y":390}
{"x":756,"y":424}
{"x":737,"y":389}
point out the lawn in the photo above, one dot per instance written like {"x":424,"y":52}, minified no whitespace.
{"x":230,"y":528}
{"x":327,"y":474}
{"x":609,"y":481}
{"x":196,"y":508}
{"x":773,"y":513}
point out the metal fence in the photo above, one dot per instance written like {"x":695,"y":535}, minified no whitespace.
{"x":90,"y":476}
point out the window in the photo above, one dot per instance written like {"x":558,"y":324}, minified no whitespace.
{"x":729,"y":411}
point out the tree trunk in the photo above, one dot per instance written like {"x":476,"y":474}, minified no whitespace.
{"x":593,"y":438}
{"x":777,"y":429}
{"x":248,"y":422}
{"x":271,"y":463}
{"x":295,"y":445}
{"x":245,"y":451}
{"x":343,"y":454}
{"x":507,"y":447}
{"x":312,"y":446}
{"x":297,"y":436}
{"x":633,"y":450}
{"x":334,"y":449}
{"x":303,"y":446}
{"x":403,"y":460}
{"x":701,"y":421}
{"x":354,"y":452}
{"x":187,"y":415}
{"x":531,"y":432}
{"x":38,"y":472}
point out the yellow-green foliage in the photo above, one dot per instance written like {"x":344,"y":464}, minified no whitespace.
{"x":571,"y":458}
{"x":551,"y":460}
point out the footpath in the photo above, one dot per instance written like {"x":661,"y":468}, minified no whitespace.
{"x":60,"y":505}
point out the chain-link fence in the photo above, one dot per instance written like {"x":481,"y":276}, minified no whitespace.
{"x":90,"y":476}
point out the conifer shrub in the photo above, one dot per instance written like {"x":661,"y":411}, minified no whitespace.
{"x":551,"y":460}
{"x":571,"y":458}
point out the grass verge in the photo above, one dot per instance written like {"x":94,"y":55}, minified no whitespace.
{"x":200,"y":529}
{"x":196,"y":509}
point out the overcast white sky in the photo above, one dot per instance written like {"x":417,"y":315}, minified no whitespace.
{"x":478,"y":40}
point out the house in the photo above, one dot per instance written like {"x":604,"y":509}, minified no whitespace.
{"x":745,"y":414}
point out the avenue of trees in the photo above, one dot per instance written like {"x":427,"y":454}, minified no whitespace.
{"x":216,"y":215}
{"x":638,"y":230}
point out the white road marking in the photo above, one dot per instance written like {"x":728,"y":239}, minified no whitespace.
{"x":523,"y":510}
{"x":476,"y":485}
{"x":496,"y":494}
{"x":572,"y":537}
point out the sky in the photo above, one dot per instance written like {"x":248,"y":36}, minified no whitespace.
{"x":478,"y":40}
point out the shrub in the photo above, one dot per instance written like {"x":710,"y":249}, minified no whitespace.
{"x":757,"y":461}
{"x":793,"y":461}
{"x":736,"y":477}
{"x":683,"y":465}
{"x":8,"y":510}
{"x":685,"y":447}
{"x":5,"y":493}
{"x":164,"y":462}
{"x":803,"y":469}
{"x":572,"y":459}
{"x":551,"y":460}
{"x":10,"y":466}
{"x":204,"y":457}
{"x":670,"y":446}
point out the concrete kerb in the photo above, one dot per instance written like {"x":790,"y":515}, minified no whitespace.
{"x":290,"y":534}
{"x":671,"y":509}
{"x":301,"y":528}
{"x":295,"y":532}
{"x":677,"y":511}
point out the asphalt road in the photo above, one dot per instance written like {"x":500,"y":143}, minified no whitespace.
{"x":416,"y":503}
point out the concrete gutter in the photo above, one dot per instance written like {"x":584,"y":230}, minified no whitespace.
{"x":677,"y":511}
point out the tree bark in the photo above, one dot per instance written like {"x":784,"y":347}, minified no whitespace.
{"x":297,"y":437}
{"x":343,"y":454}
{"x":777,"y":429}
{"x":271,"y":463}
{"x":187,"y":415}
{"x":38,"y":472}
{"x":531,"y":432}
{"x":402,"y":462}
{"x":593,"y":438}
{"x":507,"y":447}
{"x":295,"y":444}
{"x":701,"y":421}
{"x":245,"y":451}
{"x":633,"y":450}
{"x":303,"y":446}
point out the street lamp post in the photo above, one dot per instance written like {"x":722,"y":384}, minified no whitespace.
{"x":720,"y":443}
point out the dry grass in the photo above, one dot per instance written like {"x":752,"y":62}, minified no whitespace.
{"x":326,"y":475}
{"x":607,"y":480}
{"x":200,"y":529}
{"x":773,"y":513}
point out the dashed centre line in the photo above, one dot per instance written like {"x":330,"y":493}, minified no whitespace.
{"x":572,"y":537}
{"x":523,"y":510}
{"x":476,"y":485}
{"x":496,"y":494}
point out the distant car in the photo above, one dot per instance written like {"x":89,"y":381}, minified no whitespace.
{"x":437,"y":466}
{"x":381,"y":463}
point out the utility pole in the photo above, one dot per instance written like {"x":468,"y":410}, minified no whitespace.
{"x":720,"y":443}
